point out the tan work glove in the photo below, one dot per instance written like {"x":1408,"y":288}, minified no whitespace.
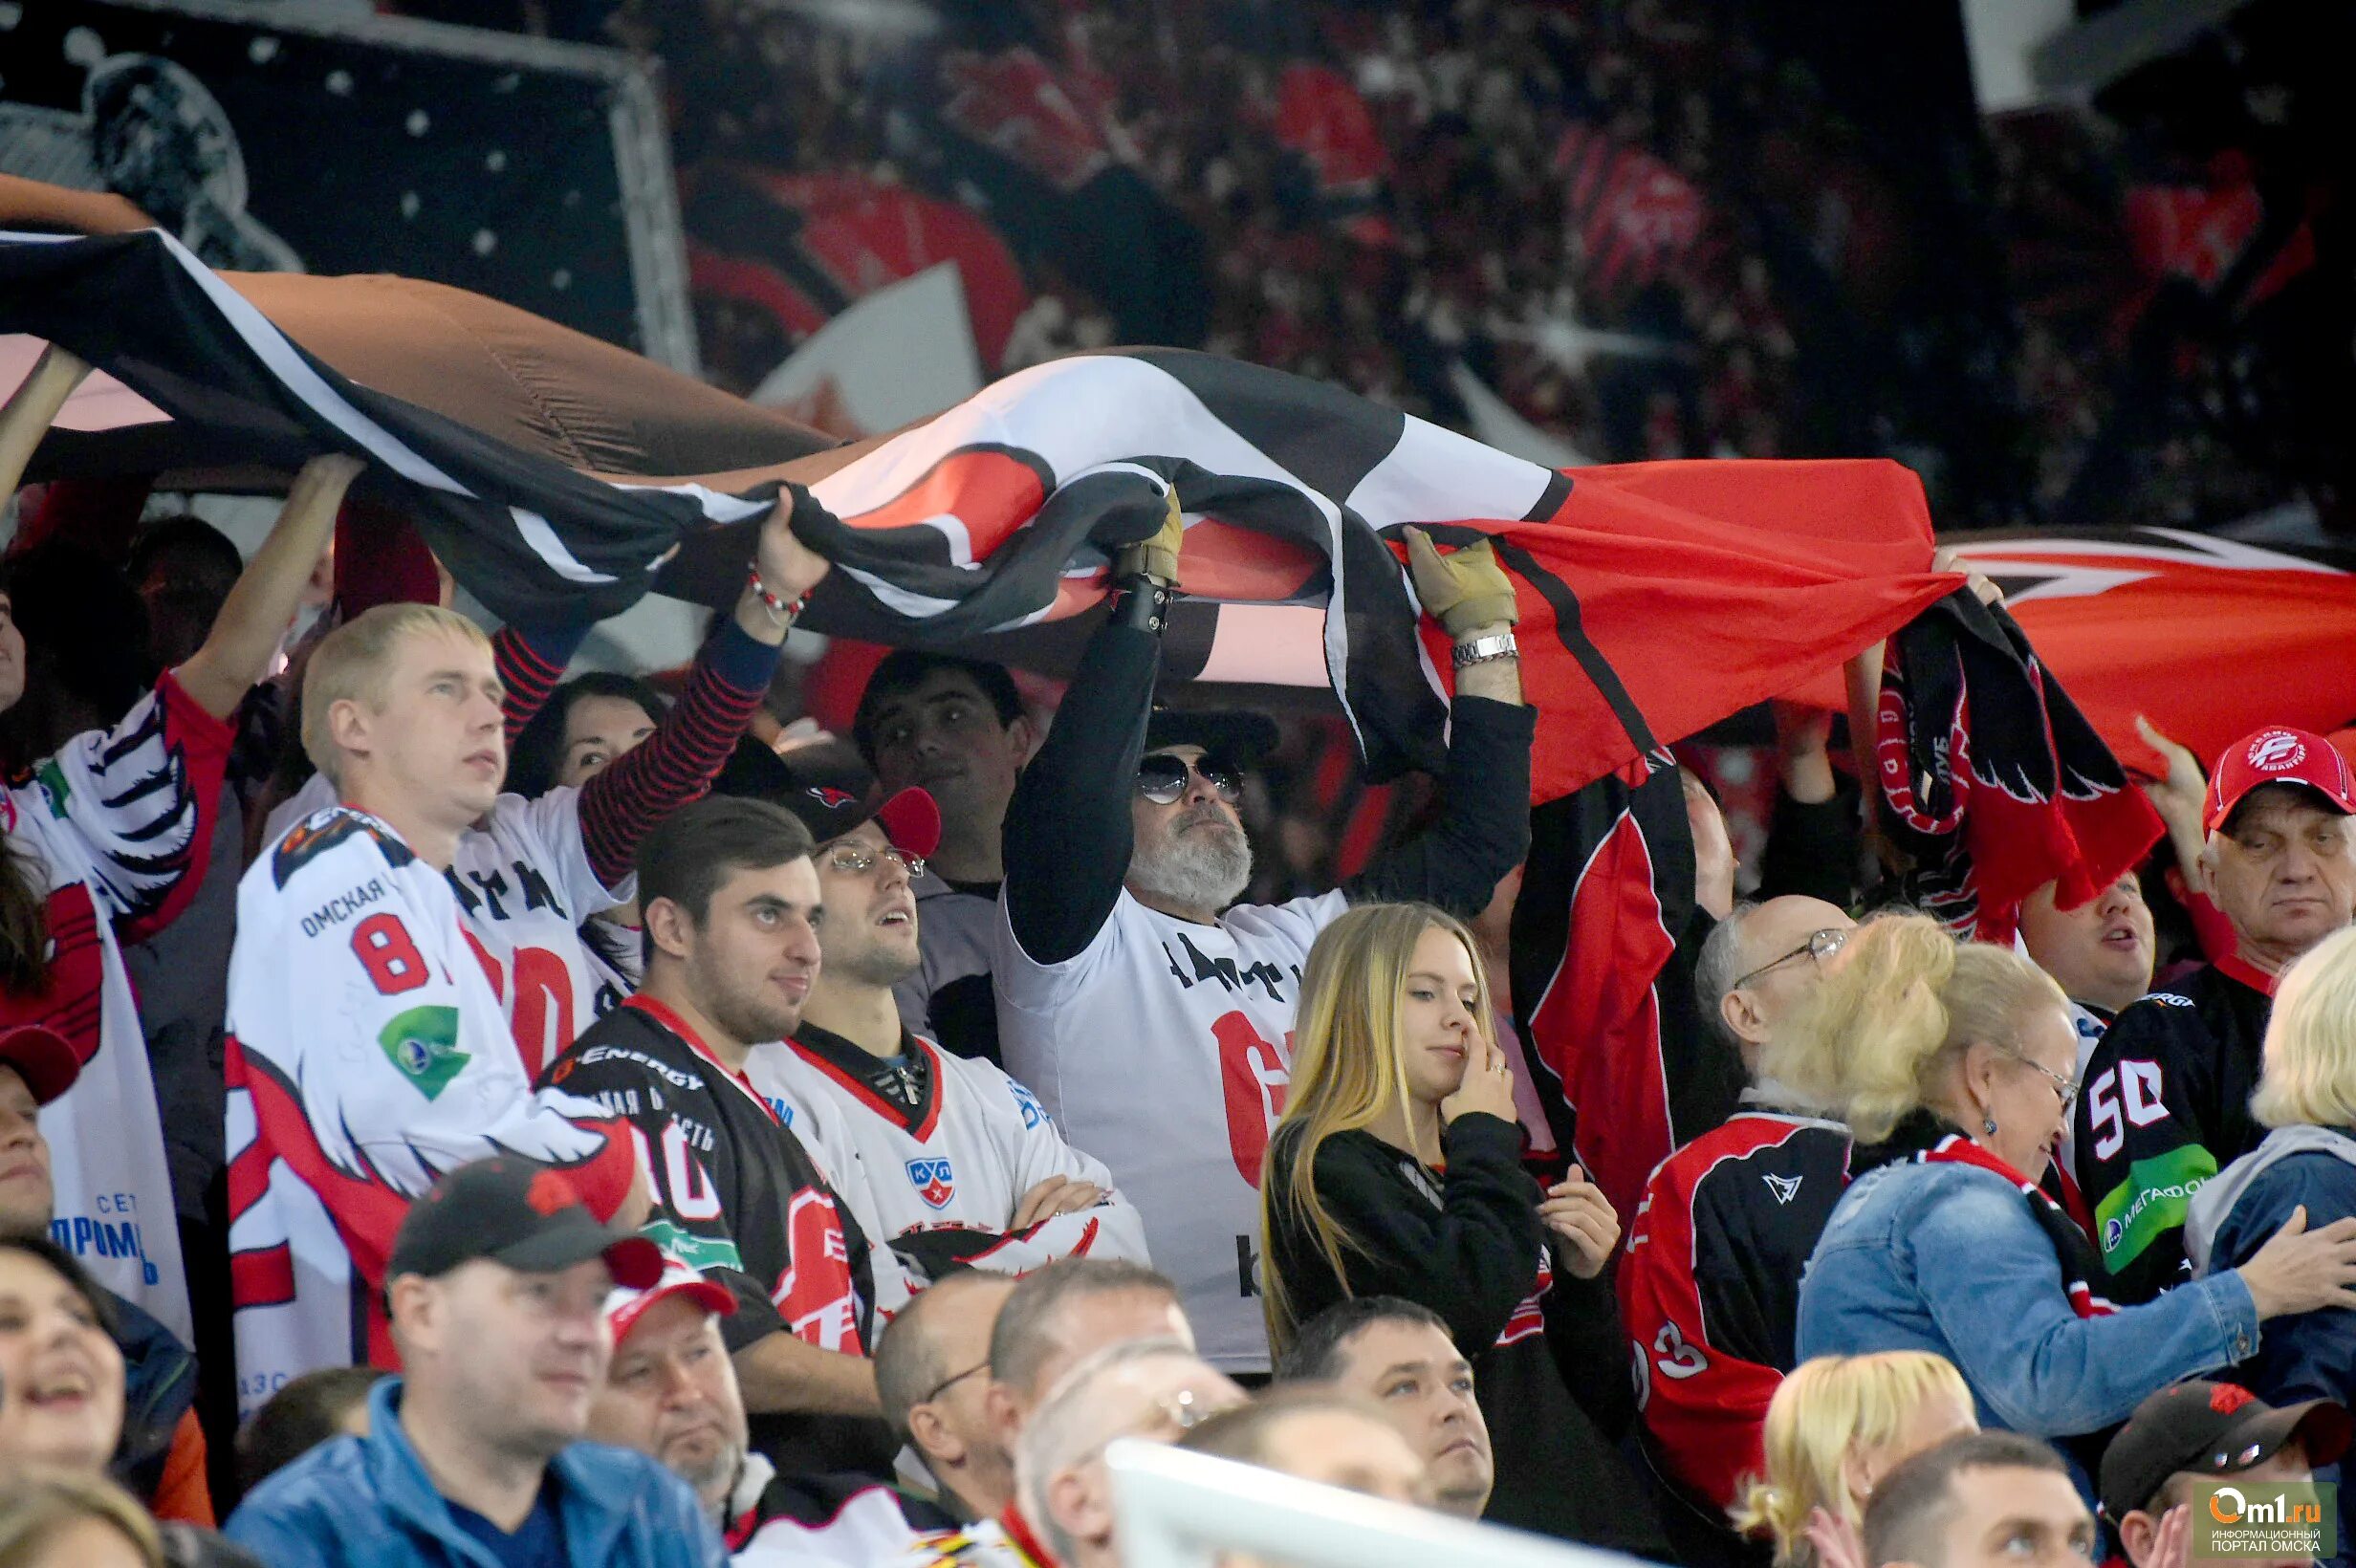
{"x":1464,"y":589}
{"x":1156,"y":557}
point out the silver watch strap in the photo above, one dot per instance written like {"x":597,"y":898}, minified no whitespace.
{"x":1481,"y":650}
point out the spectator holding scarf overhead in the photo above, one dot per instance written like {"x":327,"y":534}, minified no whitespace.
{"x":1396,"y":1170}
{"x":1951,"y":1064}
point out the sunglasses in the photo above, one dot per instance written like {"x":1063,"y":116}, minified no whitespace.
{"x":1820,"y":946}
{"x":857,"y":860}
{"x":1162,"y":778}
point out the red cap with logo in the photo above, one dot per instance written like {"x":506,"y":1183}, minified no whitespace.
{"x":2278,"y":755}
{"x":625,"y":1306}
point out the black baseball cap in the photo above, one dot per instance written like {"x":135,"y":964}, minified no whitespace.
{"x":2212,"y":1429}
{"x":519,"y":1213}
{"x":910,"y":817}
{"x":1237,"y":737}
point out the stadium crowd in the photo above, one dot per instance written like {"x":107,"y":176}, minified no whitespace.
{"x":595,"y":1139}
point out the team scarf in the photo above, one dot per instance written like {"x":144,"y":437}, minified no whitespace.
{"x":1654,"y":599}
{"x":1992,"y":783}
{"x":2071,"y":1249}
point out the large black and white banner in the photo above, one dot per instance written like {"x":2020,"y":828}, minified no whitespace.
{"x":269,"y":140}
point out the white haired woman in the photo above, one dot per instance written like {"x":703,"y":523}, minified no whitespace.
{"x":2306,"y":1094}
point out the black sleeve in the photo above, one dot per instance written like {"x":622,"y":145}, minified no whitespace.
{"x":1591,"y":1348}
{"x":1811,"y":850}
{"x":1483,"y":829}
{"x":1067,"y":833}
{"x":1473,"y":1262}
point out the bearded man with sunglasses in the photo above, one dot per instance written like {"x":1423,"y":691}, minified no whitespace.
{"x":1152,"y":1015}
{"x":945,"y":1159}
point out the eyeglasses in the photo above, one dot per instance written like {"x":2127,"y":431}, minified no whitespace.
{"x":2065,"y":1089}
{"x":855,"y":860}
{"x":1820,"y":946}
{"x":1162,"y":778}
{"x":948,"y":1384}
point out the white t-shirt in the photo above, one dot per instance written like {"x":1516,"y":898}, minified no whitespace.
{"x":367,"y":1056}
{"x":524,"y":885}
{"x":1166,"y":1046}
{"x":957,"y":1159}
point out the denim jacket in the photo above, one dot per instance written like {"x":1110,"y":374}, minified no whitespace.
{"x":366,"y":1502}
{"x":1946,"y":1259}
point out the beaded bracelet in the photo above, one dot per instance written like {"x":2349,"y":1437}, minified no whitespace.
{"x":779,"y":611}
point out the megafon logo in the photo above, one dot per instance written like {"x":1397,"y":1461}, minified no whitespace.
{"x":2275,"y":750}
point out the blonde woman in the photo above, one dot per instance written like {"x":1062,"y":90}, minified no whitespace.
{"x":1952,"y":1064}
{"x":1396,"y":1170}
{"x":1836,"y":1426}
{"x":2306,"y":1094}
{"x":59,"y":1519}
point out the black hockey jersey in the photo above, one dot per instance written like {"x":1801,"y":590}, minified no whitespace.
{"x":736,"y":1196}
{"x":2165,"y":1107}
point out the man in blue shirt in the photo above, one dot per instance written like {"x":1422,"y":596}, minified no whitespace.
{"x":496,"y":1287}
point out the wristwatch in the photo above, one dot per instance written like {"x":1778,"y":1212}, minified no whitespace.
{"x":1482,"y":650}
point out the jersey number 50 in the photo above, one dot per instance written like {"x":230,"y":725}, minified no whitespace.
{"x":2132,"y":1088}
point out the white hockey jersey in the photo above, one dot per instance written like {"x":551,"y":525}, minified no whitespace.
{"x":367,"y":1056}
{"x":1166,"y":1047}
{"x":117,"y":823}
{"x":933,"y":1159}
{"x":524,"y":885}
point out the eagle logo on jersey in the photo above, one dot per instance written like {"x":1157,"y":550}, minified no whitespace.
{"x":423,"y":1042}
{"x":322,"y":831}
{"x":933,"y":1180}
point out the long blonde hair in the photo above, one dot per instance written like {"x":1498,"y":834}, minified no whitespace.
{"x":1826,"y":1410}
{"x":1900,"y":1004}
{"x":1347,"y":1073}
{"x":2309,"y":1077}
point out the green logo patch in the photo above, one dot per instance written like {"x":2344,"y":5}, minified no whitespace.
{"x":694,"y":1250}
{"x":423,"y":1042}
{"x":50,"y":778}
{"x":2152,"y":1201}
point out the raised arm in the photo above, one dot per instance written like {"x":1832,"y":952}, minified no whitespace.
{"x":255,"y":618}
{"x":1483,"y":828}
{"x":1068,"y":836}
{"x":676,"y":763}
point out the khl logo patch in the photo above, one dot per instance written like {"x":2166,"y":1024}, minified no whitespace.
{"x":933,"y":1180}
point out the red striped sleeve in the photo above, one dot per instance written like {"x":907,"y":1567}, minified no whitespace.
{"x":676,"y":763}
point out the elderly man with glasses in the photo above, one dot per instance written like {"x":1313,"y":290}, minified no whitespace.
{"x":1150,"y":1011}
{"x":1710,"y":1285}
{"x":943,"y":1158}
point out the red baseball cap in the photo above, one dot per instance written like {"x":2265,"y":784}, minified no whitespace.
{"x":2278,"y":755}
{"x":625,"y":1306}
{"x":41,"y":1057}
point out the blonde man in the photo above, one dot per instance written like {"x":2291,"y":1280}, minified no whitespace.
{"x":2306,"y":1095}
{"x":367,"y":1051}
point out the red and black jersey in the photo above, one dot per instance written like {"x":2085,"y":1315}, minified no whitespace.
{"x":1709,"y":1287}
{"x":737,"y":1196}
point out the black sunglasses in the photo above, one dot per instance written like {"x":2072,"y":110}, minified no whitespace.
{"x":1162,"y":778}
